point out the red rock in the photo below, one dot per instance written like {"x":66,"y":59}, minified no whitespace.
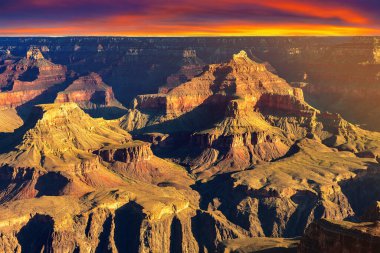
{"x":88,"y":91}
{"x":28,"y":78}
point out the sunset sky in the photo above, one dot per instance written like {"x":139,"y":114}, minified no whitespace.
{"x":189,"y":17}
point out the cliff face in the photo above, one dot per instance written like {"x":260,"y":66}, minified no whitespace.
{"x":88,"y":92}
{"x":28,"y":78}
{"x":135,"y":152}
{"x":327,"y":236}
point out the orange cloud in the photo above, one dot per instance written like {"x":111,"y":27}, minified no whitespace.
{"x":119,"y":28}
{"x":207,"y":18}
{"x":320,"y":10}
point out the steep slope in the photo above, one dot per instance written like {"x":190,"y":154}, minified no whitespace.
{"x":281,"y":198}
{"x":9,"y":120}
{"x":93,"y":96}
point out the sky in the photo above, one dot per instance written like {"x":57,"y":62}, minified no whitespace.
{"x":189,"y":17}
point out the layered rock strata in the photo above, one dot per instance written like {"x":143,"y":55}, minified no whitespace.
{"x":28,"y":78}
{"x":89,"y":92}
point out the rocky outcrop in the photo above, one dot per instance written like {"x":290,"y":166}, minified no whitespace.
{"x":151,"y":102}
{"x":134,"y":152}
{"x":89,"y":92}
{"x":328,"y":236}
{"x":28,"y":78}
{"x":34,"y":54}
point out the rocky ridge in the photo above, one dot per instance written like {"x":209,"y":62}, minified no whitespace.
{"x":28,"y":78}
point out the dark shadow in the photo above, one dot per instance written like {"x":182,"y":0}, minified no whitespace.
{"x":222,"y":188}
{"x":363,"y":190}
{"x":30,"y":75}
{"x":13,"y":181}
{"x":103,"y":246}
{"x":51,"y":184}
{"x":36,"y":235}
{"x":128,"y":220}
{"x":10,"y":140}
{"x":220,"y":76}
{"x":107,"y":113}
{"x":305,"y":201}
{"x":294,"y":149}
{"x":204,"y":231}
{"x":219,"y":187}
{"x":47,"y":97}
{"x":176,"y":236}
{"x":88,"y":226}
{"x":2,"y":68}
{"x":30,"y":115}
{"x":98,"y":97}
{"x":199,"y":118}
{"x":278,"y":250}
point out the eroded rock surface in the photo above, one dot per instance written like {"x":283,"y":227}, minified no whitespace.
{"x":328,"y":236}
{"x":28,"y":78}
{"x":88,"y":92}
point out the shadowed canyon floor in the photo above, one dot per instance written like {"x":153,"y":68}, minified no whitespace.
{"x":225,"y":158}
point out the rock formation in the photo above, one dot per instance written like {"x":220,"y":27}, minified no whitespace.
{"x":89,"y":92}
{"x":27,"y":78}
{"x":327,"y":236}
{"x":239,"y":113}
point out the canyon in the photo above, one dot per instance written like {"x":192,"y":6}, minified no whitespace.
{"x":209,"y":151}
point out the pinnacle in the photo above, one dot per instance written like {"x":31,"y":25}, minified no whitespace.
{"x":241,"y":54}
